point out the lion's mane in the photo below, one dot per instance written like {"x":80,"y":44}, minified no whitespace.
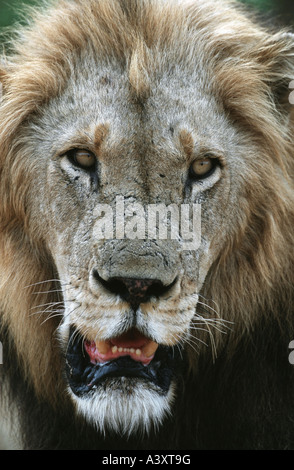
{"x":244,"y":397}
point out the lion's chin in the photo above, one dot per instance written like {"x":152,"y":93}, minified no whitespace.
{"x":125,"y":393}
{"x":125,"y":406}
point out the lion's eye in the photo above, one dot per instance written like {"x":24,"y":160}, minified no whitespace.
{"x":202,"y":168}
{"x":82,"y":158}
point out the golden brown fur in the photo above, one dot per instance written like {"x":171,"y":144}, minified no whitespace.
{"x":247,"y":70}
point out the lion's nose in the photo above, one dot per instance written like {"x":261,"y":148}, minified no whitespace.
{"x":135,"y":291}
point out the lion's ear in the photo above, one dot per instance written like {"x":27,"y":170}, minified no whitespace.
{"x":278,"y":58}
{"x":3,"y":76}
{"x":1,"y":86}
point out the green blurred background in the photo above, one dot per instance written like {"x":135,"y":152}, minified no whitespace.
{"x":282,"y":11}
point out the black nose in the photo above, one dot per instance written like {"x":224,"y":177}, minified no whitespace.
{"x":135,"y":291}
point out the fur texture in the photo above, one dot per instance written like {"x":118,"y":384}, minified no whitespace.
{"x":149,"y":86}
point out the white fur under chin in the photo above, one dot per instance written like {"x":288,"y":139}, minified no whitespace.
{"x":125,"y":407}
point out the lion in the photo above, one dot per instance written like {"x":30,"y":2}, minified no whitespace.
{"x":120,"y":331}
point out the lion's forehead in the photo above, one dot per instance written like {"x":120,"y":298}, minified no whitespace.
{"x":96,"y":97}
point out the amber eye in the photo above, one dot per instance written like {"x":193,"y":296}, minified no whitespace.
{"x":202,"y":167}
{"x":82,"y":158}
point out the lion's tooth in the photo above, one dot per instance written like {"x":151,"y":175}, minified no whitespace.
{"x":102,"y":347}
{"x":150,"y":349}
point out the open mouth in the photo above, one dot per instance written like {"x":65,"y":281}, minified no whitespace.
{"x":89,"y":364}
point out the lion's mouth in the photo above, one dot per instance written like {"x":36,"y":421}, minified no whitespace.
{"x":89,"y":364}
{"x":132,"y":344}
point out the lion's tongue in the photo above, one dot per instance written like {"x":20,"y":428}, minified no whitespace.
{"x":132,"y":344}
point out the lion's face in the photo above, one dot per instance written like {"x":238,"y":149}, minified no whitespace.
{"x":143,"y":165}
{"x":130,"y":295}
